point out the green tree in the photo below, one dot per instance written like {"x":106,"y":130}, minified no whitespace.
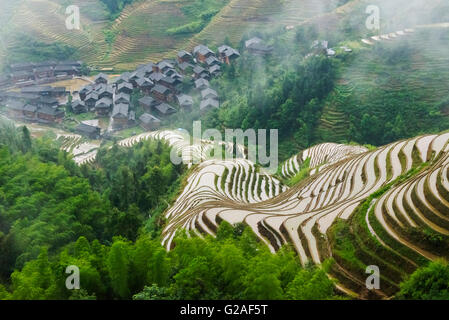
{"x":26,"y":139}
{"x":430,"y":282}
{"x":36,"y":281}
{"x":118,"y":268}
{"x":310,"y":284}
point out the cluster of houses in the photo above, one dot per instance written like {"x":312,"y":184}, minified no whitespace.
{"x":35,"y":103}
{"x":38,"y":73}
{"x":107,"y":99}
{"x":162,"y":85}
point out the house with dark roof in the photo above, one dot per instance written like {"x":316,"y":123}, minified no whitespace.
{"x":184,"y":57}
{"x":23,"y":97}
{"x":209,"y":93}
{"x":122,"y":98}
{"x":147,"y":67}
{"x":161,"y":92}
{"x":45,"y":90}
{"x":43,"y":72}
{"x":156,"y":77}
{"x":15,"y":109}
{"x":22,"y":76}
{"x":201,"y":53}
{"x":79,"y":107}
{"x":92,"y":132}
{"x":212,"y":61}
{"x":50,"y":63}
{"x":136,"y":75}
{"x":162,"y":66}
{"x":215,"y":70}
{"x":66,"y":70}
{"x":227,"y":54}
{"x":149,"y":122}
{"x":146,"y":70}
{"x":147,"y":103}
{"x":164,"y":109}
{"x":200,"y":72}
{"x":47,"y":114}
{"x":30,"y":112}
{"x":22,"y":66}
{"x":58,"y":91}
{"x":49,"y":102}
{"x":144,"y":84}
{"x":170,"y":72}
{"x":171,"y":83}
{"x":209,"y":104}
{"x":105,"y":91}
{"x":125,"y":87}
{"x":101,"y":78}
{"x":40,"y":90}
{"x":124,"y":77}
{"x":185,"y":101}
{"x":186,"y":67}
{"x":91,"y":99}
{"x":222,"y":49}
{"x":165,"y":66}
{"x":84,"y":91}
{"x":120,"y":115}
{"x":202,"y":84}
{"x":103,"y":106}
{"x":73,"y":63}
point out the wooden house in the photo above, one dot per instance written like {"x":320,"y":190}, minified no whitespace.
{"x":120,"y":115}
{"x":122,"y":98}
{"x":161,"y":92}
{"x":79,"y":107}
{"x":90,"y":131}
{"x":101,"y":78}
{"x":46,"y":114}
{"x":103,"y":106}
{"x":149,"y":122}
{"x":125,"y":87}
{"x":164,"y":109}
{"x":148,"y":103}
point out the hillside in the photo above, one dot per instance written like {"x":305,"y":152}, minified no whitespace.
{"x":396,"y":86}
{"x":141,"y":31}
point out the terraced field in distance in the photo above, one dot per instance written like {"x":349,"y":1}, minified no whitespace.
{"x":140,"y":32}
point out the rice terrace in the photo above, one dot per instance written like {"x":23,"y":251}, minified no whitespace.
{"x":118,"y":180}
